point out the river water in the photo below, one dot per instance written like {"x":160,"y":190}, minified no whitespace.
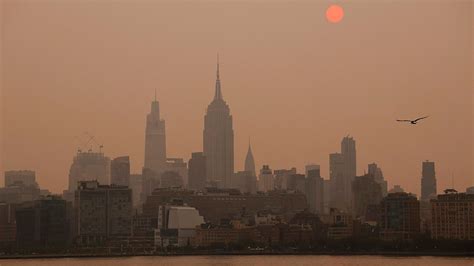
{"x":245,"y":260}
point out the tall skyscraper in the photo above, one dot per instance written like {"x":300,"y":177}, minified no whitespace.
{"x":428,"y":181}
{"x":218,"y":139}
{"x":249,"y":161}
{"x":120,"y":171}
{"x":377,"y":174}
{"x":197,"y":171}
{"x":314,"y":189}
{"x":342,"y":171}
{"x":155,"y":140}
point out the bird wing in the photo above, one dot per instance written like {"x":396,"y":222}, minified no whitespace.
{"x":403,"y":120}
{"x":420,"y":118}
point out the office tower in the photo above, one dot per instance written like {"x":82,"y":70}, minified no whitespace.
{"x":7,"y":224}
{"x":249,"y":161}
{"x":218,"y":139}
{"x":282,"y":176}
{"x":197,"y":171}
{"x":88,"y":166}
{"x":366,"y":193}
{"x":245,"y":181}
{"x":171,"y":179}
{"x":102,"y":212}
{"x":428,"y":181}
{"x":266,"y":179}
{"x":120,"y":171}
{"x":150,"y":181}
{"x":342,"y":171}
{"x":136,"y":185}
{"x":315,"y":189}
{"x":399,"y":217}
{"x":296,"y":182}
{"x":18,"y":192}
{"x":43,"y":222}
{"x":179,"y":166}
{"x":326,"y":195}
{"x":310,"y":167}
{"x":26,"y":177}
{"x":452,"y":216}
{"x":155,"y":140}
{"x":377,"y":173}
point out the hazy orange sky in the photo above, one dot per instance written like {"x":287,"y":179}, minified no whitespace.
{"x":295,"y":83}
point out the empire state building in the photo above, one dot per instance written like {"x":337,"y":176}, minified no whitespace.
{"x":218,"y":139}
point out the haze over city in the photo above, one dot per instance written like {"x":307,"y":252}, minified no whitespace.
{"x":295,"y":84}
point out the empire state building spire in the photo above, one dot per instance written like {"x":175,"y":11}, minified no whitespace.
{"x":218,"y":93}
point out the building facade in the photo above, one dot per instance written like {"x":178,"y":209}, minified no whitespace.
{"x":155,"y":140}
{"x":197,"y":171}
{"x":399,"y":217}
{"x":120,"y":171}
{"x":428,"y":181}
{"x":453,"y":216}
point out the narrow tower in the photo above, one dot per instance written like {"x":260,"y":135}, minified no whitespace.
{"x":218,"y":139}
{"x":155,"y":140}
{"x":249,"y":161}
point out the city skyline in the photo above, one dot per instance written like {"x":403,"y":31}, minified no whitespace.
{"x":305,"y":110}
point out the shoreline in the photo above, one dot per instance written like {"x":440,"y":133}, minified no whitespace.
{"x":246,"y":253}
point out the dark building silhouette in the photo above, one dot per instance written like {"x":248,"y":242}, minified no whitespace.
{"x":245,"y":181}
{"x":250,"y":161}
{"x":120,"y":171}
{"x":314,"y":191}
{"x":218,"y":140}
{"x":377,"y":173}
{"x":197,"y":171}
{"x":342,"y":171}
{"x":27,"y":177}
{"x":171,"y":179}
{"x":102,"y":212}
{"x":399,"y":217}
{"x":150,"y":181}
{"x":297,"y":182}
{"x":7,"y":224}
{"x":45,"y":222}
{"x":428,"y":181}
{"x":366,"y":193}
{"x":155,"y":140}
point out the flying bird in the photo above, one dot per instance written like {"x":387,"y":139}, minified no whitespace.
{"x":413,"y":122}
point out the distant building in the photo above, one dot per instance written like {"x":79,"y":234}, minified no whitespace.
{"x":377,"y":174}
{"x":366,"y":192}
{"x":266,"y":179}
{"x":150,"y":181}
{"x":179,"y":166}
{"x":396,"y":189}
{"x":282,"y":176}
{"x":296,"y":182}
{"x":341,"y":225}
{"x":470,"y":190}
{"x":218,"y":139}
{"x":43,"y":222}
{"x":18,"y":193}
{"x":326,"y":195}
{"x":102,"y":212}
{"x":250,"y":161}
{"x":342,"y":171}
{"x":26,"y":177}
{"x":428,"y":181}
{"x":89,"y":166}
{"x":315,"y":190}
{"x":245,"y":181}
{"x":453,"y":216}
{"x":7,"y":224}
{"x":197,"y":171}
{"x":136,"y":185}
{"x":120,"y":171}
{"x":155,"y":140}
{"x":171,"y":179}
{"x":399,"y":217}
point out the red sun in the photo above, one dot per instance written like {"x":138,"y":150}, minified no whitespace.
{"x":334,"y":13}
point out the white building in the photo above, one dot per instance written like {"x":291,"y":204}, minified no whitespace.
{"x":266,"y":179}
